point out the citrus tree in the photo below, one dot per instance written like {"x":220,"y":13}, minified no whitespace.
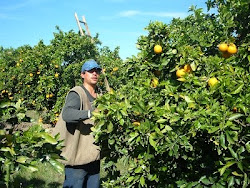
{"x":42,"y":75}
{"x":36,"y":80}
{"x":180,"y":117}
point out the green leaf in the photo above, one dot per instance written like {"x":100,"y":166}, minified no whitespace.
{"x":57,"y":165}
{"x":166,"y":128}
{"x":21,"y":159}
{"x":231,"y":181}
{"x":229,"y":163}
{"x":131,"y":178}
{"x":133,"y":135}
{"x":32,"y":168}
{"x":110,"y":127}
{"x":188,"y":100}
{"x":205,"y":181}
{"x":161,"y":120}
{"x":248,"y":146}
{"x":229,"y":139}
{"x":48,"y":138}
{"x":142,"y":181}
{"x":238,"y":89}
{"x":138,"y":169}
{"x":235,"y":116}
{"x":233,"y":153}
{"x":222,"y":140}
{"x":152,"y":142}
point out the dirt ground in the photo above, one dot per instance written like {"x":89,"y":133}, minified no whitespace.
{"x":23,"y":126}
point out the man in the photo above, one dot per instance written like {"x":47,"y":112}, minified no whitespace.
{"x":82,"y":166}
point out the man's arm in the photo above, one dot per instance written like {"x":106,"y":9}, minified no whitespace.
{"x":71,"y":112}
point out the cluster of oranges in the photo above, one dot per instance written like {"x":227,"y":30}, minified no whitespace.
{"x":227,"y":49}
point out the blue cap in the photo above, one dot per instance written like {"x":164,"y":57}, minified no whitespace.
{"x":90,"y":64}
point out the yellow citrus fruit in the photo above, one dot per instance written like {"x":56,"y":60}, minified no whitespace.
{"x":20,"y":60}
{"x":18,"y":64}
{"x":158,"y":49}
{"x":115,"y":69}
{"x":56,"y":66}
{"x":232,"y":49}
{"x":136,"y":123}
{"x":51,"y":95}
{"x":212,"y":81}
{"x":154,"y":82}
{"x":38,"y":72}
{"x":235,"y":109}
{"x":223,"y":47}
{"x":47,"y":96}
{"x":187,"y":68}
{"x":40,"y":120}
{"x":180,"y":73}
{"x":111,"y":91}
{"x":31,"y":74}
{"x":56,"y":75}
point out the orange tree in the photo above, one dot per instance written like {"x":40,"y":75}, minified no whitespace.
{"x":42,"y":75}
{"x":187,"y":128}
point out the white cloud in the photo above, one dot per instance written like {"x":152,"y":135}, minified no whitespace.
{"x":22,"y":4}
{"x":131,"y":13}
{"x":116,"y":1}
{"x":7,"y":17}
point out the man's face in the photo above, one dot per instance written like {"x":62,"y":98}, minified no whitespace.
{"x":91,"y":77}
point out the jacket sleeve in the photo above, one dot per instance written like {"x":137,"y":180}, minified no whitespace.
{"x":71,"y":111}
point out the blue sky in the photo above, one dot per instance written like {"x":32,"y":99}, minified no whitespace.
{"x":118,"y":22}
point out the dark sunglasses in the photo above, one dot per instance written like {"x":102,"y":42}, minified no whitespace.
{"x":98,"y":71}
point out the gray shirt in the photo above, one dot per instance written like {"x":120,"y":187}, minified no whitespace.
{"x":71,"y":111}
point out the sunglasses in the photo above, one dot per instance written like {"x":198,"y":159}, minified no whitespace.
{"x":98,"y":71}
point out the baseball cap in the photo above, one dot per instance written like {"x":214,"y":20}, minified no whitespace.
{"x":90,"y":64}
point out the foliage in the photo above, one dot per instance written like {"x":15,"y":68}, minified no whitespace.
{"x":180,"y":132}
{"x":42,"y":75}
{"x":24,"y":148}
{"x":37,"y":79}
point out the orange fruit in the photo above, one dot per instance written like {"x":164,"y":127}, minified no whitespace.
{"x":154,"y":82}
{"x":158,"y":49}
{"x":232,"y":49}
{"x":235,"y":109}
{"x":180,"y":73}
{"x":115,"y":69}
{"x":212,"y":81}
{"x":187,"y":68}
{"x":223,"y":47}
{"x":136,"y":123}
